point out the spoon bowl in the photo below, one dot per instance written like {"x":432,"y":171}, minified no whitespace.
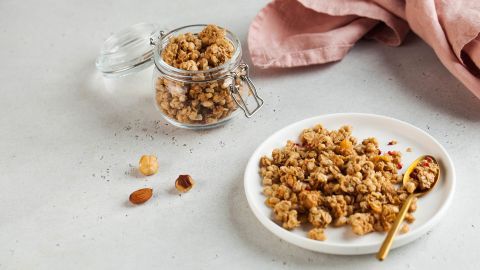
{"x":407,"y":176}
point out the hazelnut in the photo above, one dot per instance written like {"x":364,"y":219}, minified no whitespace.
{"x":148,"y":165}
{"x":184,"y":183}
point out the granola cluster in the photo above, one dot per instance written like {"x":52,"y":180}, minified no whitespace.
{"x":331,"y":179}
{"x":197,"y":102}
{"x":423,"y":175}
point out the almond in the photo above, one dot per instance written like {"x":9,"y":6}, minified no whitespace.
{"x":140,"y":196}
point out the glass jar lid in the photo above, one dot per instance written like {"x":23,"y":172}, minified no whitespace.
{"x":128,"y":50}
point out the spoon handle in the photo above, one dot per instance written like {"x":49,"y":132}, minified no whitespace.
{"x":387,"y":243}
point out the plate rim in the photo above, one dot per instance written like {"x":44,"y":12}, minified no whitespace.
{"x":335,"y":248}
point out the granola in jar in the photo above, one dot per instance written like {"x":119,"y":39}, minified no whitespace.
{"x":201,"y":94}
{"x":329,"y":178}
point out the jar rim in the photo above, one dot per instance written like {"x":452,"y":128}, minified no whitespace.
{"x":161,"y":65}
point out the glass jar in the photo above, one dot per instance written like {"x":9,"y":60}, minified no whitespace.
{"x":189,"y":99}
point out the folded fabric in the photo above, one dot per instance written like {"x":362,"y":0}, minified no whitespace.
{"x":289,"y":33}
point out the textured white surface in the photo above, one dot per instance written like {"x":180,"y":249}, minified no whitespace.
{"x":67,"y":138}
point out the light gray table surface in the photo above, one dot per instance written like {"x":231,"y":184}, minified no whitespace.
{"x":68,"y":140}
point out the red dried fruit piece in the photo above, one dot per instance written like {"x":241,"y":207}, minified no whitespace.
{"x":399,"y":166}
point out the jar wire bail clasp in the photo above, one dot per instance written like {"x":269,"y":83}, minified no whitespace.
{"x":154,"y":41}
{"x":237,"y":97}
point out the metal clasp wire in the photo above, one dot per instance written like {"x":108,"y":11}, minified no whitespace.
{"x":154,"y":41}
{"x":237,"y":97}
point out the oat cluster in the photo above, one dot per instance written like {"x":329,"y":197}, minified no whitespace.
{"x":329,"y":179}
{"x":207,"y":49}
{"x":197,"y":102}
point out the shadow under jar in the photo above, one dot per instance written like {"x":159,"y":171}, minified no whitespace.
{"x":194,"y":99}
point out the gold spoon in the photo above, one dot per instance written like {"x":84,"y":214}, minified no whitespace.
{"x":387,"y":243}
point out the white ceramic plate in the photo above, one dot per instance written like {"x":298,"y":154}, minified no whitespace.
{"x":431,"y":208}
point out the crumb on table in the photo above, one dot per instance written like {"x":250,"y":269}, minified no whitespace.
{"x":392,"y":142}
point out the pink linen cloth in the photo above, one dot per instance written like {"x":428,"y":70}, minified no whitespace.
{"x":289,"y":33}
